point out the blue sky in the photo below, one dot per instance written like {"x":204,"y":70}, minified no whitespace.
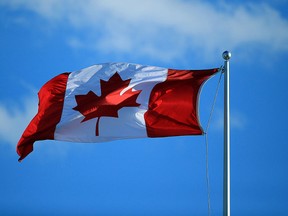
{"x":41,"y":39}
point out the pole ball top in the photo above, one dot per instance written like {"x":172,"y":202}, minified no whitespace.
{"x":226,"y":55}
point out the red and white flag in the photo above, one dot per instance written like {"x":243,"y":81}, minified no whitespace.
{"x":113,"y":101}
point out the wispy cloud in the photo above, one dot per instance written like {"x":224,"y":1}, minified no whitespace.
{"x":150,"y":26}
{"x":14,"y":121}
{"x":238,"y":120}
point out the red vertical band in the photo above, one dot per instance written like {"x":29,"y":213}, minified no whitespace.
{"x":43,"y":125}
{"x":173,"y":104}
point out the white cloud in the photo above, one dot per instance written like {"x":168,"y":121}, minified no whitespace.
{"x":14,"y":121}
{"x":238,"y":120}
{"x":164,"y":29}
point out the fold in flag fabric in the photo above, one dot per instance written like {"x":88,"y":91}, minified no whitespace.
{"x":113,"y":101}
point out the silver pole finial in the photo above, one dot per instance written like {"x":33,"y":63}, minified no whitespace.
{"x":226,"y":55}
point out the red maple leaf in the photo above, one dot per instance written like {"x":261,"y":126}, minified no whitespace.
{"x":111,"y":100}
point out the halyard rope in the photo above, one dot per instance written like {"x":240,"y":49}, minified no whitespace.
{"x":206,"y":141}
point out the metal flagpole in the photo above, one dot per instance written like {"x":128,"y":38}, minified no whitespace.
{"x":226,"y":181}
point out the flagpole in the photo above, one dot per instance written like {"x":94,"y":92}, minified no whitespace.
{"x":226,"y":178}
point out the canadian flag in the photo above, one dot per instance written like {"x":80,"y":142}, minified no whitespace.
{"x":113,"y":101}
